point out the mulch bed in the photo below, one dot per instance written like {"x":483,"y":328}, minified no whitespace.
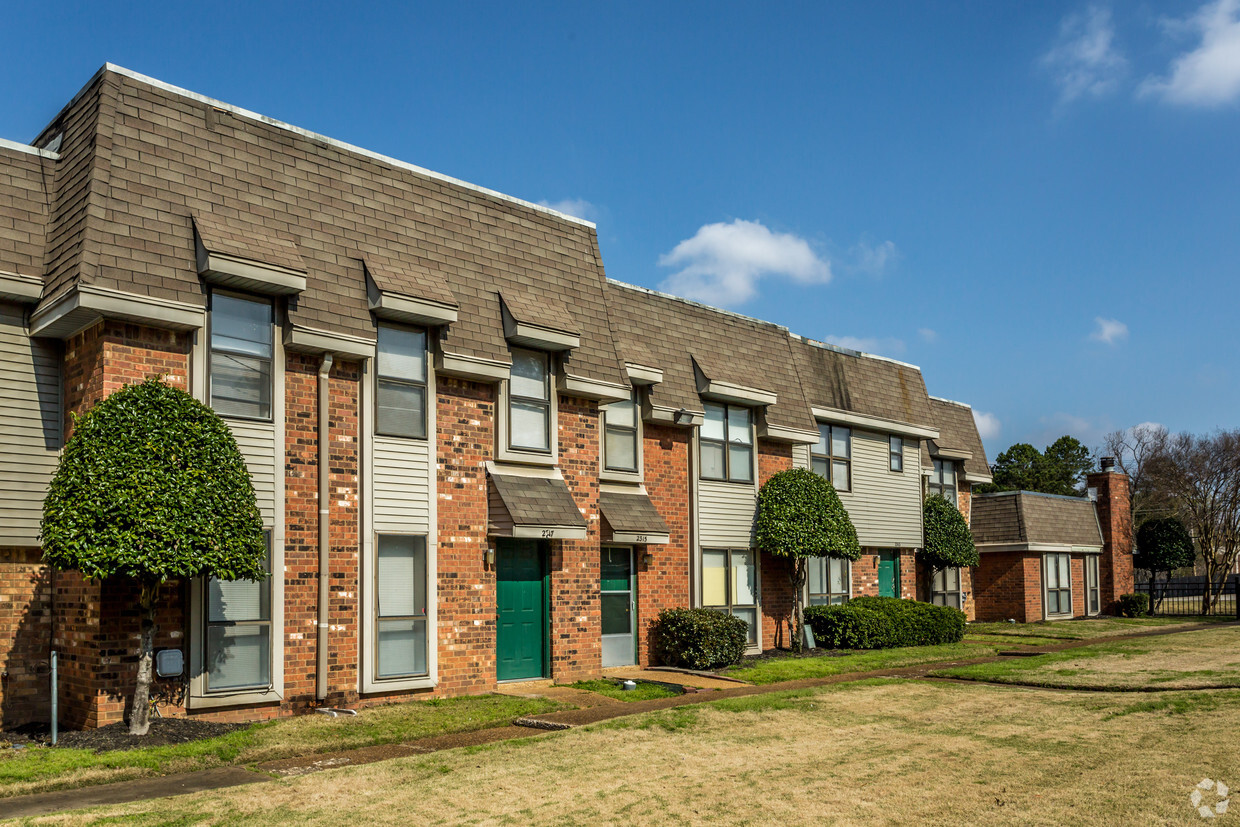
{"x":163,"y":732}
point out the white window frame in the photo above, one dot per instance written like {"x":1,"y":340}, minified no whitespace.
{"x":831,"y":596}
{"x":503,"y":450}
{"x":938,"y":587}
{"x":726,"y":442}
{"x":830,"y":458}
{"x":1050,"y":560}
{"x":273,"y":362}
{"x":936,"y":477}
{"x":423,"y":383}
{"x":895,"y":455}
{"x":371,"y":683}
{"x":1093,"y":584}
{"x":731,"y":606}
{"x":614,"y":474}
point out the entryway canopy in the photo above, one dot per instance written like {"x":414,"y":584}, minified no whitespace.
{"x":538,"y":507}
{"x":633,"y":518}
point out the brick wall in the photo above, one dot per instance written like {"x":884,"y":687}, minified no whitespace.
{"x":1115,"y":575}
{"x":1003,"y":590}
{"x":664,"y":584}
{"x":776,"y":585}
{"x":25,"y":636}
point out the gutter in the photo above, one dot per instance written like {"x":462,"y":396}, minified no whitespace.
{"x":324,"y":469}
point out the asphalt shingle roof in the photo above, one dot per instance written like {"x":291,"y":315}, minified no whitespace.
{"x":861,"y":384}
{"x":1031,"y":517}
{"x":958,"y":429}
{"x":631,"y":513}
{"x":537,"y":500}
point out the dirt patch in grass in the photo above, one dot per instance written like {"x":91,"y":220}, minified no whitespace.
{"x":874,"y":753}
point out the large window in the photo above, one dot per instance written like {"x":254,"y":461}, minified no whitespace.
{"x":828,"y":581}
{"x":727,"y":443}
{"x":400,"y":594}
{"x":832,"y":455}
{"x":943,"y":480}
{"x":620,"y":435}
{"x":945,"y":588}
{"x":529,"y":401}
{"x":1058,"y":584}
{"x":238,"y":632}
{"x":241,"y":350}
{"x":730,"y":585}
{"x":896,"y":453}
{"x":1093,"y":593}
{"x":401,"y":382}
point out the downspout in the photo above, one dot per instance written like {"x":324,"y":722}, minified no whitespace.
{"x":324,"y":466}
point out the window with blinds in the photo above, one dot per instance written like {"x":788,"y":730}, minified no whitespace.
{"x":1058,"y":584}
{"x":620,"y":435}
{"x":945,"y":588}
{"x":831,"y":457}
{"x":238,"y":632}
{"x":828,"y":581}
{"x":400,"y":397}
{"x":529,"y":401}
{"x":400,"y":607}
{"x":241,"y":353}
{"x":726,"y":442}
{"x":730,"y":585}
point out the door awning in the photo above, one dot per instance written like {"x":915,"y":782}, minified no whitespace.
{"x":532,"y":507}
{"x":633,"y":518}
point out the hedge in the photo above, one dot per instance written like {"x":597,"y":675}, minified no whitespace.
{"x":699,"y":638}
{"x":1134,"y":605}
{"x":884,"y":622}
{"x":949,"y":543}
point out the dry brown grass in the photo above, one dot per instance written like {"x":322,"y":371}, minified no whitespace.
{"x":874,"y":753}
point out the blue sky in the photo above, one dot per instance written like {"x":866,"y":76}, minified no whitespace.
{"x":1039,"y":204}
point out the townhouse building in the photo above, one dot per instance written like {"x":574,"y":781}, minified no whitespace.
{"x":477,"y":458}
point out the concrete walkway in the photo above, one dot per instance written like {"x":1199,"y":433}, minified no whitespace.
{"x":599,"y":708}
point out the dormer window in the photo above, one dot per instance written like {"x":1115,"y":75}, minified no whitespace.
{"x":401,"y":382}
{"x":831,"y":457}
{"x":726,"y":441}
{"x":241,"y":354}
{"x":529,"y":401}
{"x":620,"y":435}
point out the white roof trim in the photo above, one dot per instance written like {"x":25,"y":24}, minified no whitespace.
{"x":85,"y":304}
{"x":313,"y":340}
{"x":474,"y":368}
{"x":29,"y":150}
{"x":347,"y":147}
{"x":19,"y":288}
{"x":1046,"y":548}
{"x":950,"y":401}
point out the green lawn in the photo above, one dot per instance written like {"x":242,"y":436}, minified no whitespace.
{"x":1207,"y":659}
{"x":39,"y":769}
{"x":1062,"y":631}
{"x":778,"y":669}
{"x":644,"y":692}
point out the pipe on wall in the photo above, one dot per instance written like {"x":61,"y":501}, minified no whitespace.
{"x":324,"y":467}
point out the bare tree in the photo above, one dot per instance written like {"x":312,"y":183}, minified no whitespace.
{"x":1199,"y":478}
{"x":1132,"y":449}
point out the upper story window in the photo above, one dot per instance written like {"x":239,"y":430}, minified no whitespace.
{"x":529,"y":401}
{"x":832,"y":456}
{"x":943,"y":480}
{"x":727,"y":443}
{"x":620,"y":435}
{"x":896,"y":453}
{"x":400,"y":390}
{"x":241,"y":352}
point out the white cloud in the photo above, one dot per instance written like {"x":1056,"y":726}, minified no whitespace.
{"x":1209,"y":75}
{"x":1109,"y":331}
{"x":723,"y":263}
{"x":1084,"y":58}
{"x":578,"y":207}
{"x":988,"y":425}
{"x":869,"y":344}
{"x":927,"y":335}
{"x":874,"y":258}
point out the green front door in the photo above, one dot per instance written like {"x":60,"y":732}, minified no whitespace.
{"x":888,"y":574}
{"x":521,"y":609}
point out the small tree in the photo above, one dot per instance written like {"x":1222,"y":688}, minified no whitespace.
{"x":151,"y":487}
{"x":800,"y":516}
{"x":1163,"y":544}
{"x":949,"y":543}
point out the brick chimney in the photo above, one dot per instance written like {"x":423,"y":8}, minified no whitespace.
{"x":1111,"y":489}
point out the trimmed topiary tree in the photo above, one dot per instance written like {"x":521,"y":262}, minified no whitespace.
{"x":949,"y":543}
{"x":151,"y":487}
{"x":800,"y":516}
{"x":1163,"y":544}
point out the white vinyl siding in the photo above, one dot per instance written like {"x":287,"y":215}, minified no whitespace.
{"x":884,"y":507}
{"x":30,"y":427}
{"x":401,"y":488}
{"x":257,"y":441}
{"x":726,"y":513}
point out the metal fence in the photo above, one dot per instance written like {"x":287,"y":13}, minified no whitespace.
{"x":1186,"y":596}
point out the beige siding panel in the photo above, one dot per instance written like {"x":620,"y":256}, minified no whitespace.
{"x":725,"y":514}
{"x":884,"y":505}
{"x":30,"y":427}
{"x":800,"y":456}
{"x":402,"y":489}
{"x":257,"y":441}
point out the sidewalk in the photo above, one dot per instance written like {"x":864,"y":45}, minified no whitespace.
{"x":591,"y":709}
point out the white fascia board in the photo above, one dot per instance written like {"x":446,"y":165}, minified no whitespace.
{"x":641,"y":538}
{"x":667,"y":416}
{"x":540,"y":472}
{"x":29,"y":150}
{"x":474,"y":368}
{"x":541,"y":338}
{"x":977,"y":479}
{"x":740,"y":394}
{"x":593,"y":388}
{"x":268,"y":279}
{"x":411,"y":310}
{"x":85,"y":304}
{"x":875,"y":423}
{"x":312,"y":340}
{"x":1038,"y":548}
{"x":18,"y":288}
{"x":778,"y":433}
{"x":643,"y":374}
{"x":952,"y":453}
{"x":548,"y":532}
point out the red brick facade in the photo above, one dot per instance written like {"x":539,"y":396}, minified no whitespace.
{"x":664,"y":583}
